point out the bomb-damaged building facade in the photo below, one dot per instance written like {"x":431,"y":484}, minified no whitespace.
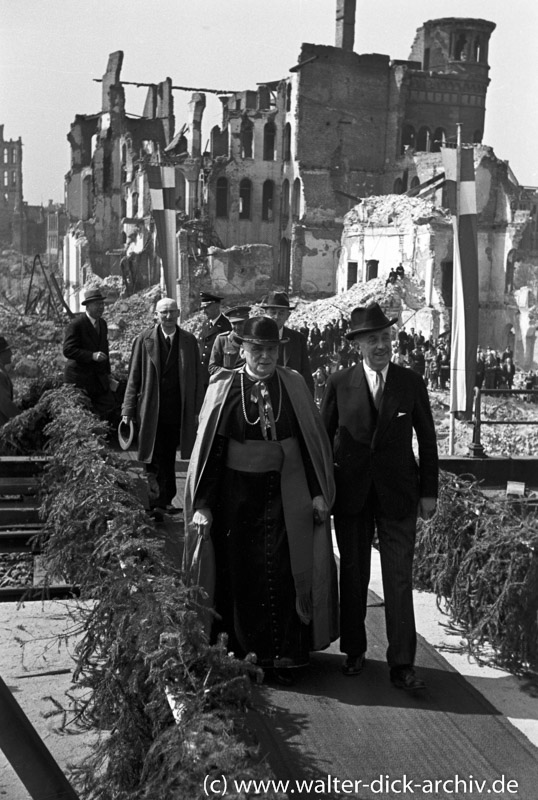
{"x":266,"y":203}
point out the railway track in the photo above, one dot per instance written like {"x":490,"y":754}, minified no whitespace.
{"x":19,"y":524}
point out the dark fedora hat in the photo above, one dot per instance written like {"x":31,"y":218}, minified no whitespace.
{"x":238,"y":314}
{"x":4,"y":345}
{"x":365,"y":319}
{"x":206,"y":298}
{"x":92,"y":295}
{"x":276,"y":300}
{"x":260,"y":330}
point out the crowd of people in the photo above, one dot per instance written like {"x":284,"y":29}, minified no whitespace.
{"x":283,"y":428}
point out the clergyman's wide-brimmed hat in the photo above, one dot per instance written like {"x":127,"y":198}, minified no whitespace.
{"x":93,"y":295}
{"x":366,"y":319}
{"x":238,"y":314}
{"x":276,"y":300}
{"x":4,"y":345}
{"x":260,"y":330}
{"x":206,"y":299}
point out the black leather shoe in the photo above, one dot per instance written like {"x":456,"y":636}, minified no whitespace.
{"x":353,"y":665}
{"x":283,"y":677}
{"x":405,"y":678}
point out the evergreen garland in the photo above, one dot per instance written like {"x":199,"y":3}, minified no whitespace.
{"x":166,"y":706}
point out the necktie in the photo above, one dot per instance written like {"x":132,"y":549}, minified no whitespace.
{"x":168,"y":343}
{"x":378,"y":388}
{"x":260,"y":395}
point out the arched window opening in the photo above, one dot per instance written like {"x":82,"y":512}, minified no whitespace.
{"x":477,"y":137}
{"x":296,"y":198}
{"x":415,"y":182}
{"x":245,"y":194}
{"x":13,"y":178}
{"x":123,"y":207}
{"x":477,"y":49}
{"x":398,"y":186}
{"x":288,"y":97}
{"x":221,"y":197}
{"x":285,"y":201}
{"x":408,"y":138}
{"x":6,"y":155}
{"x":134,"y":200}
{"x":247,"y":137}
{"x":267,"y":200}
{"x":269,"y":139}
{"x":459,"y":49}
{"x":6,"y":178}
{"x":424,"y":140}
{"x":439,"y":140}
{"x":286,"y":142}
{"x":13,"y":156}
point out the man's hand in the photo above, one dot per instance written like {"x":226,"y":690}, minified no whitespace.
{"x":319,"y":507}
{"x":99,"y":356}
{"x":202,"y":521}
{"x":427,"y":507}
{"x":126,"y":420}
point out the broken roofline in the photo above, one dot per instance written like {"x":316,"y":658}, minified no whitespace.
{"x":179,"y":88}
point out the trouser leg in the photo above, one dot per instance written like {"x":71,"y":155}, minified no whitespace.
{"x":396,"y":547}
{"x":354,"y":535}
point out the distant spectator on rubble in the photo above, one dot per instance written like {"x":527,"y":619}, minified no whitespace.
{"x":8,"y":409}
{"x":86,"y":350}
{"x":128,"y":272}
{"x":480,"y":368}
{"x":391,"y":278}
{"x":508,"y":370}
{"x":400,"y":272}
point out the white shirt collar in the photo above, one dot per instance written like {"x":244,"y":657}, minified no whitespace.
{"x":92,"y":319}
{"x":170,"y":335}
{"x":371,"y":374}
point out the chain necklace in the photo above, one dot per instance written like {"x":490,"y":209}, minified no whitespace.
{"x":243,"y":406}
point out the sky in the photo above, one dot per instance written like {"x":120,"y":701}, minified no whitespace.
{"x":51,"y":51}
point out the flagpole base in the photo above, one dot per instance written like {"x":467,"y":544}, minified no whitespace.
{"x":476,"y":450}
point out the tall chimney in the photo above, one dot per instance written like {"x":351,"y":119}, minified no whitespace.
{"x":345,"y":24}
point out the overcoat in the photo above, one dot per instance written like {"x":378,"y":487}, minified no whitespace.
{"x":81,"y":341}
{"x":198,"y":555}
{"x":8,"y":409}
{"x":141,"y":401}
{"x":380,"y":452}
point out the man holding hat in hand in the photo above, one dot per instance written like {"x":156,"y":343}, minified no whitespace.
{"x":293,"y":352}
{"x":216,"y":322}
{"x":86,"y":351}
{"x":370,"y":411}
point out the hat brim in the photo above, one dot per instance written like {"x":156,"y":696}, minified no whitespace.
{"x":99,"y":299}
{"x":370,"y":328}
{"x":250,"y":340}
{"x":269,"y":305}
{"x":125,"y":441}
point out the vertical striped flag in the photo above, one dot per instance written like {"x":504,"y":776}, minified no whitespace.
{"x":461,"y":193}
{"x":162,"y":189}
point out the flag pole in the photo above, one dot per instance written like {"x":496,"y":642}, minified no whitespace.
{"x":452,"y":426}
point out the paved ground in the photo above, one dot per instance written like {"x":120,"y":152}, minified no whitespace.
{"x":473,"y":720}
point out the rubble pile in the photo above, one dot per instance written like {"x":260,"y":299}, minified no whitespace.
{"x":394,"y":297}
{"x":385,"y":209}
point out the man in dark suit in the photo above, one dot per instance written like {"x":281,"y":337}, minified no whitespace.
{"x":216,"y":322}
{"x":86,"y":351}
{"x":370,"y":411}
{"x":8,"y":409}
{"x":164,"y":396}
{"x":294,"y":353}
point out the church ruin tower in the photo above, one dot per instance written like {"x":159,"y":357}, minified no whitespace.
{"x":450,"y":83}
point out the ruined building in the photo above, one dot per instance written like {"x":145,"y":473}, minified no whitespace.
{"x":267,"y":202}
